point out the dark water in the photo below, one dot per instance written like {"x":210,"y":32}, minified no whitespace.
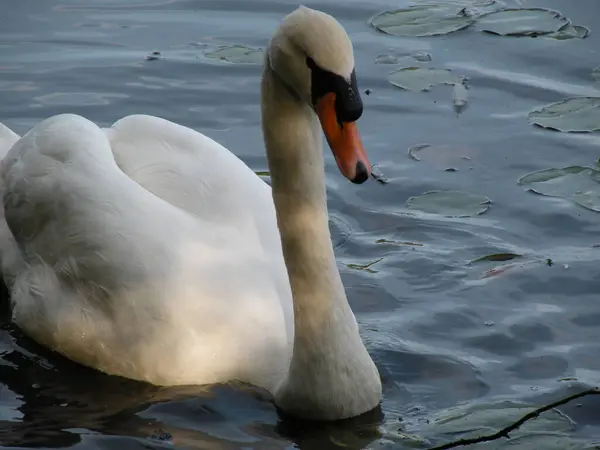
{"x":442,"y":334}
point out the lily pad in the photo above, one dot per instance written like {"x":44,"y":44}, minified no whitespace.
{"x":571,"y":32}
{"x":496,"y":257}
{"x":422,"y":20}
{"x":580,"y":184}
{"x":421,"y":79}
{"x":575,"y":114}
{"x":478,"y":419}
{"x":522,"y":22}
{"x":450,"y":203}
{"x":238,"y":54}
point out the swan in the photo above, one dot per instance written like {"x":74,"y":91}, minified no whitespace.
{"x":149,"y":251}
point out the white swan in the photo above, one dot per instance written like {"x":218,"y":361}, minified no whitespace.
{"x":148,"y":250}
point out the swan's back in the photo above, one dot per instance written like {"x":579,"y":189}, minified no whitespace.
{"x":146,"y":250}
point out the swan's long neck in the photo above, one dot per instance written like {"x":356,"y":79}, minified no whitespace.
{"x":331,"y":374}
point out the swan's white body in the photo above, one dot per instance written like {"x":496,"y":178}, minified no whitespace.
{"x":150,"y":251}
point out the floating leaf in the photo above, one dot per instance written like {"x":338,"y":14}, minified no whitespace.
{"x":421,"y":79}
{"x":497,"y":257}
{"x":576,"y":114}
{"x":570,"y":32}
{"x":522,"y":22}
{"x":238,"y":54}
{"x":365,"y":267}
{"x":262,"y":173}
{"x":577,"y":183}
{"x":387,"y":241}
{"x":478,"y":419}
{"x":422,"y":20}
{"x":596,"y":74}
{"x":450,"y":203}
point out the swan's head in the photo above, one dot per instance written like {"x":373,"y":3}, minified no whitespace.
{"x":312,"y":54}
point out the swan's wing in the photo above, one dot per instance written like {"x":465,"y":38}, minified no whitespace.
{"x":192,"y":172}
{"x":7,"y":139}
{"x":113,"y":275}
{"x":10,"y":260}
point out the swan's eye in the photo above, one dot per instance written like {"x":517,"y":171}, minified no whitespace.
{"x":348,"y":104}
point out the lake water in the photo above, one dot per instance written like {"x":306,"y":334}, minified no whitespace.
{"x":448,"y":337}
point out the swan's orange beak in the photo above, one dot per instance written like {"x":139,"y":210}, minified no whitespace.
{"x":344,"y":140}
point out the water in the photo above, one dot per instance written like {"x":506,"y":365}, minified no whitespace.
{"x":442,"y":334}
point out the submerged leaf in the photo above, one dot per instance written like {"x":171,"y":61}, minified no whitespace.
{"x":576,"y":114}
{"x":522,"y":22}
{"x":238,"y":54}
{"x":421,"y":79}
{"x":422,"y":20}
{"x":450,"y":203}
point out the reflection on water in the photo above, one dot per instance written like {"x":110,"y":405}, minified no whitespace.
{"x":444,"y":333}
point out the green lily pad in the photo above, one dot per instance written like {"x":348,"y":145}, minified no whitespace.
{"x":596,"y":74}
{"x":422,"y":20}
{"x":421,"y":78}
{"x":238,"y":54}
{"x":496,"y":257}
{"x":570,"y":32}
{"x":478,"y":419}
{"x":580,"y":184}
{"x":450,"y":203}
{"x":575,"y":114}
{"x":522,"y":22}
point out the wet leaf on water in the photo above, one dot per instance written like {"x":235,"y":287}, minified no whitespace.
{"x":522,"y":22}
{"x":504,"y":268}
{"x":365,"y":267}
{"x":412,"y":151}
{"x":495,"y":257}
{"x":570,"y":32}
{"x":575,"y":114}
{"x":422,"y":20}
{"x":580,"y":184}
{"x":377,"y":175}
{"x":596,"y":74}
{"x":477,"y":419}
{"x":450,"y":203}
{"x":387,"y":241}
{"x":421,"y":79}
{"x":238,"y":54}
